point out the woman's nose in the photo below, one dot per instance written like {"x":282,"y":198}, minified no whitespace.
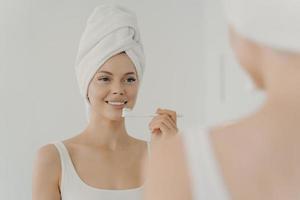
{"x":120,"y":93}
{"x":117,"y":89}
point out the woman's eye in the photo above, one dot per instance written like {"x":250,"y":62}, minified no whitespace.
{"x":130,"y":80}
{"x":104,"y":79}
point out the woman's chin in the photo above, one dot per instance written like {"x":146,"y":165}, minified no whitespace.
{"x":114,"y":117}
{"x":109,"y":116}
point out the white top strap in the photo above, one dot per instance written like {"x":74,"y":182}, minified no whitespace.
{"x":66,"y":161}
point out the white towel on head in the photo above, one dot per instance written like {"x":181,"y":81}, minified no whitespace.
{"x":274,"y":23}
{"x":110,"y":30}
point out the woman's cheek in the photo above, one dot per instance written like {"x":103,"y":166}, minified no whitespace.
{"x":132,"y":96}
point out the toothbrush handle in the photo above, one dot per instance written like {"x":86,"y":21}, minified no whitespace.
{"x":146,"y":116}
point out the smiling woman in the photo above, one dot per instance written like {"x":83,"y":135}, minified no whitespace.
{"x":103,"y":161}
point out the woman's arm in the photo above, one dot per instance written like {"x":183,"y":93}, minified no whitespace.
{"x":167,"y":174}
{"x":46,"y":174}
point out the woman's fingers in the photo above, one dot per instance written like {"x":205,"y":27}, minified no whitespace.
{"x":163,"y":125}
{"x":161,"y":128}
{"x":162,"y":120}
{"x":171,"y":113}
{"x":154,"y":124}
{"x":158,"y":124}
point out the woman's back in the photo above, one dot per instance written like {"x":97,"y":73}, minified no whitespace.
{"x":254,"y":158}
{"x":259,"y":158}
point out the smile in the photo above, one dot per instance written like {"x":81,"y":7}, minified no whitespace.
{"x":116,"y":103}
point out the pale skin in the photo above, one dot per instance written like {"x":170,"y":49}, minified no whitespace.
{"x":259,"y":154}
{"x":104,"y":145}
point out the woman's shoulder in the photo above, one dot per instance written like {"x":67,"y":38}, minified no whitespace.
{"x":48,"y":156}
{"x":47,"y":166}
{"x":138,"y":143}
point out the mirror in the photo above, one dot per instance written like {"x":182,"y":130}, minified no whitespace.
{"x":189,"y":69}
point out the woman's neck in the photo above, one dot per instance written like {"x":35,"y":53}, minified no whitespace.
{"x":107,"y":133}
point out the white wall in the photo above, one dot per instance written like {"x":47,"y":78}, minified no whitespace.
{"x":226,"y":93}
{"x":40,"y":102}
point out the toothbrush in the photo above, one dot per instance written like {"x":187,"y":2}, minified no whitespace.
{"x":126,"y":113}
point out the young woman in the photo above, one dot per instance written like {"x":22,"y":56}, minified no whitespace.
{"x":103,"y":162}
{"x":258,"y":156}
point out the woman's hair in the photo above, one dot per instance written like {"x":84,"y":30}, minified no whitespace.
{"x":273,"y":23}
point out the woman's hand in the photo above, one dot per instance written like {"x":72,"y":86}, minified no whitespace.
{"x":164,"y":124}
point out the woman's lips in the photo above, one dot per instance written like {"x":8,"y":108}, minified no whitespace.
{"x":117,"y":104}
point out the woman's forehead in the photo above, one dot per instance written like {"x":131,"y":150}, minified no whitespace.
{"x":118,"y":64}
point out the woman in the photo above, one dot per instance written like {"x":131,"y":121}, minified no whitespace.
{"x":258,"y":156}
{"x":103,"y":161}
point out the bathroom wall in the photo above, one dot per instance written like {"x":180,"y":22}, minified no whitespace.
{"x":189,"y":69}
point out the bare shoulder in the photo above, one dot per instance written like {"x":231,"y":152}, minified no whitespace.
{"x":47,"y":160}
{"x":138,"y":141}
{"x":46,"y":173}
{"x":168,"y":177}
{"x":226,"y":135}
{"x":47,"y":155}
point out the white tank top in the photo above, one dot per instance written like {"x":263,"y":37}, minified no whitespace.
{"x":207,"y":182}
{"x":73,"y":188}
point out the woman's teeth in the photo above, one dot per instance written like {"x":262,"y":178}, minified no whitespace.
{"x":116,"y":103}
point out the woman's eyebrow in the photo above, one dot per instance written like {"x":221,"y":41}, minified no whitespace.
{"x":107,"y":72}
{"x":130,"y":73}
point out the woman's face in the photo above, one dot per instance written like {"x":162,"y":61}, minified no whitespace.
{"x":248,"y":54}
{"x":113,"y":87}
